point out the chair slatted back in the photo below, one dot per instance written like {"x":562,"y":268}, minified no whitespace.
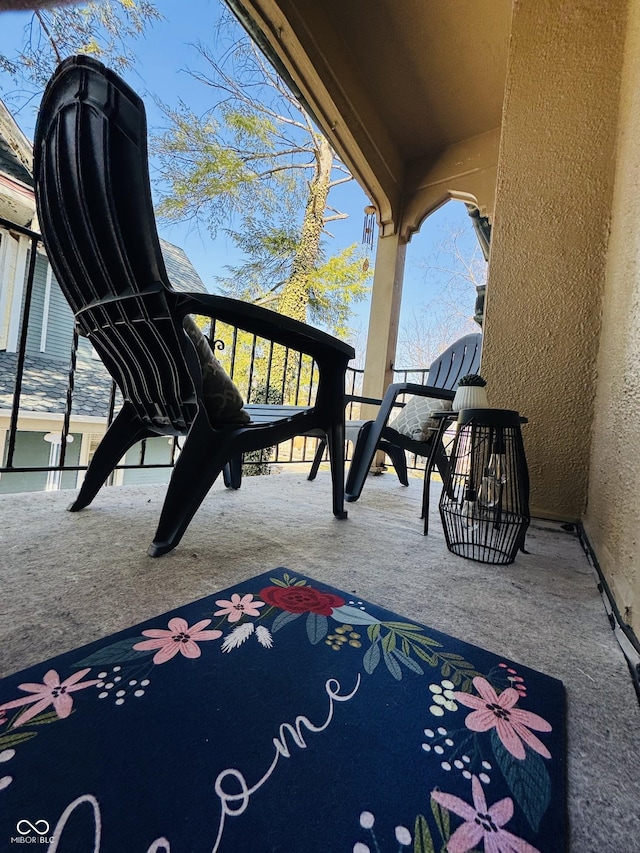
{"x":96,"y":216}
{"x":462,"y":357}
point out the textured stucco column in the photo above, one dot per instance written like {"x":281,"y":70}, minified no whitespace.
{"x":612,"y":521}
{"x":549,"y":240}
{"x":383,"y":318}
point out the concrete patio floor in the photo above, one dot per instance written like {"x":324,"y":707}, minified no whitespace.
{"x":67,"y":579}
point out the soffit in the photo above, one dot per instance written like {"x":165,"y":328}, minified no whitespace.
{"x":393,"y":83}
{"x":435,"y":70}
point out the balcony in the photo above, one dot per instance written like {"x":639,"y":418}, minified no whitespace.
{"x":68,"y":579}
{"x":563,"y":290}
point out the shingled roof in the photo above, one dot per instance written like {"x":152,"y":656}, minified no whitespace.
{"x":45,"y":380}
{"x":181,"y":272}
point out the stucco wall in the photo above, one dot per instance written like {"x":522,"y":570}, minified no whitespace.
{"x":553,"y":198}
{"x":612,"y":521}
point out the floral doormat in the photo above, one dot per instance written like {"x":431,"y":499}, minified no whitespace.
{"x":282,"y":715}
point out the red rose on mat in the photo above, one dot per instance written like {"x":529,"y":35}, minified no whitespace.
{"x":301,"y":599}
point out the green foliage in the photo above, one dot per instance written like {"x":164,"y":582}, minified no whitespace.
{"x":101,"y":28}
{"x":231,"y":162}
{"x":335,"y":286}
{"x":207,"y":180}
{"x":255,"y":165}
{"x":269,"y":247}
{"x":249,"y":128}
{"x":422,"y":840}
{"x":441,"y":816}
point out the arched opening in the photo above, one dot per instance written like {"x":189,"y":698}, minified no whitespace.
{"x":444,"y":282}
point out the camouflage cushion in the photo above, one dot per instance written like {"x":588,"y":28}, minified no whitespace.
{"x":222,"y":400}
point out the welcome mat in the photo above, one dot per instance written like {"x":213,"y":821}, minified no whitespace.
{"x":281,"y":715}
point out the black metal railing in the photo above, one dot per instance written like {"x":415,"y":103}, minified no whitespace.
{"x":263,"y":372}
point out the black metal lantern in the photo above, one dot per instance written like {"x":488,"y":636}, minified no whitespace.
{"x":485,"y":499}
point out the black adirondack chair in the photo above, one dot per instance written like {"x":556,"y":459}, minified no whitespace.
{"x":96,"y":216}
{"x":462,"y":357}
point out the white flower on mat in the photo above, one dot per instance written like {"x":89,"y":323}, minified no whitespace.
{"x":263,"y":636}
{"x":367,"y":820}
{"x":237,"y":637}
{"x":6,"y":755}
{"x":403,"y":836}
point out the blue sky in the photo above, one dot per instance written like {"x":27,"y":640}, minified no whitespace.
{"x":164,"y":54}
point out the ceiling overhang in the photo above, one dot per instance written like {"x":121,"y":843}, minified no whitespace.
{"x":409,"y":93}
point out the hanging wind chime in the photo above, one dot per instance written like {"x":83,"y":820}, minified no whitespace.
{"x":369,"y":225}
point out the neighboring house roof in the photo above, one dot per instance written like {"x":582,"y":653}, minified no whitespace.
{"x":181,"y":272}
{"x":45,"y":380}
{"x":16,"y":181}
{"x":15,"y":149}
{"x":44,"y":385}
{"x":11,"y":165}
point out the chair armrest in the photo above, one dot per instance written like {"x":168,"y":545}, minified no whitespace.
{"x":266,"y":324}
{"x":356,"y":398}
{"x":403,"y":388}
{"x":422,"y":390}
{"x":393,"y":391}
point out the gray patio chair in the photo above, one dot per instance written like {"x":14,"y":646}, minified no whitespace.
{"x":95,"y":212}
{"x":456,"y":361}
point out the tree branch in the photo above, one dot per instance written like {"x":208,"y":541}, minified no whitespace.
{"x":286,"y":168}
{"x":340,"y":181}
{"x":45,"y":29}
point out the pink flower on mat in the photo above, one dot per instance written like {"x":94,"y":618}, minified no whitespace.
{"x":239,"y":607}
{"x":51,"y":692}
{"x":179,"y":638}
{"x":482,"y":823}
{"x":512,"y":724}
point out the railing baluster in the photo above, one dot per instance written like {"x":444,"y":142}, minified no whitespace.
{"x":251,"y":367}
{"x":297,"y":394}
{"x":69,"y":401}
{"x":268,"y":379}
{"x":314,"y":372}
{"x":284,"y":374}
{"x":234,"y":346}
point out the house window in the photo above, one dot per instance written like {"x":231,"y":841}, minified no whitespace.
{"x":54,"y":477}
{"x":94,"y":441}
